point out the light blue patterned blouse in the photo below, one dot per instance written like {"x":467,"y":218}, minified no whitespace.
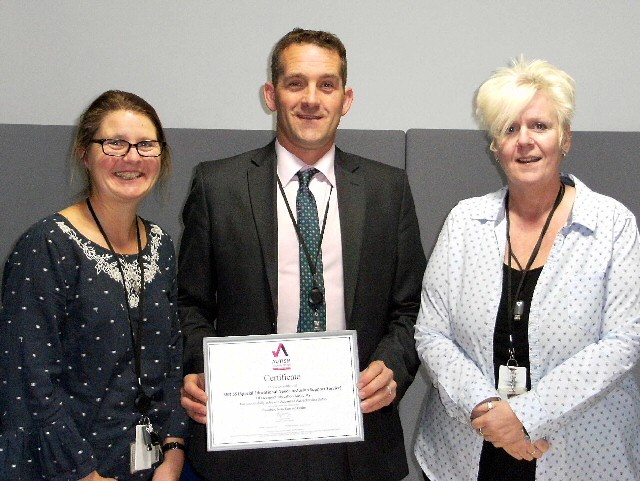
{"x":584,"y":337}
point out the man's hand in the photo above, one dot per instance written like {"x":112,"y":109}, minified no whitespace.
{"x":376,"y":387}
{"x":193,"y":398}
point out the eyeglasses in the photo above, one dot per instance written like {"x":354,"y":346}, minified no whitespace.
{"x":120,"y":148}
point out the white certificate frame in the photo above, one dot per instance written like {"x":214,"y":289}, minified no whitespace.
{"x":282,"y":390}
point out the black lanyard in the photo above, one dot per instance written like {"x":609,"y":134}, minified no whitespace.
{"x":316,"y":296}
{"x":142,"y":402}
{"x":515,"y":311}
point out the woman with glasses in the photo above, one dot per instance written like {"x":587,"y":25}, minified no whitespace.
{"x":90,"y":337}
{"x":530,"y":318}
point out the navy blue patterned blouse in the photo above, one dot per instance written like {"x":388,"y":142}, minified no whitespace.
{"x":67,"y":374}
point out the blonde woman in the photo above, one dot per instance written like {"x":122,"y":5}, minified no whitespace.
{"x":530,"y":314}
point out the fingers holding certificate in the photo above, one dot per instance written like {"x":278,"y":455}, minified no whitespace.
{"x":377,"y":388}
{"x":193,"y":397}
{"x":277,"y":390}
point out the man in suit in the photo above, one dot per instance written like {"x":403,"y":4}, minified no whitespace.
{"x":241,"y":261}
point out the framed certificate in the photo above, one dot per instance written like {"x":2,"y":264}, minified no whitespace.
{"x":282,"y":390}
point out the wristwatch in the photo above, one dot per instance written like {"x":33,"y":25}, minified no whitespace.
{"x":172,"y":445}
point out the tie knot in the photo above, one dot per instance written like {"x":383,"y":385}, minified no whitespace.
{"x":306,"y":175}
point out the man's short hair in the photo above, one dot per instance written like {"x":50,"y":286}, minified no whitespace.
{"x":315,"y":37}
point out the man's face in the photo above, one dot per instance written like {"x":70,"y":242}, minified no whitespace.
{"x":309,"y":99}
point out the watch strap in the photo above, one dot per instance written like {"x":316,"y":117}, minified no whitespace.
{"x":173,"y":445}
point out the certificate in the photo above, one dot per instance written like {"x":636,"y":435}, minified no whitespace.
{"x":282,"y":390}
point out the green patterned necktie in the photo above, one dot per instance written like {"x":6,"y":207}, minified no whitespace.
{"x":312,"y":316}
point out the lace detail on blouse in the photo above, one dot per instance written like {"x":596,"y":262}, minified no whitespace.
{"x":129,"y":263}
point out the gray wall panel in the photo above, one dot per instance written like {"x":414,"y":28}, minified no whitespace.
{"x":445,"y":166}
{"x":35,"y":177}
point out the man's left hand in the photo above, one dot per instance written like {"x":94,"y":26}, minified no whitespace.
{"x":376,"y":387}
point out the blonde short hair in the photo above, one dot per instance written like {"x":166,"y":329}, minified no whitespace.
{"x":502,"y":97}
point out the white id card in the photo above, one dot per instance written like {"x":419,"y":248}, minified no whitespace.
{"x":141,"y":457}
{"x":512,"y":380}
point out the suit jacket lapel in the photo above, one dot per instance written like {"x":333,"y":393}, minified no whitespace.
{"x":352,"y":205}
{"x":261,"y":179}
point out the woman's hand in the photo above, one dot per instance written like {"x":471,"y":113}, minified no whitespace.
{"x":171,"y":467}
{"x":497,"y":423}
{"x":526,"y":450}
{"x":94,"y":476}
{"x":483,"y":407}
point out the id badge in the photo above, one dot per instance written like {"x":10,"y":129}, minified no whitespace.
{"x":143,"y":455}
{"x":512,"y":380}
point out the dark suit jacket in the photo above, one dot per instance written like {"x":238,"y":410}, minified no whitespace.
{"x":228,"y":271}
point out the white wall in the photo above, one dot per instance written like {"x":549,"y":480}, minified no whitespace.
{"x":413,"y":64}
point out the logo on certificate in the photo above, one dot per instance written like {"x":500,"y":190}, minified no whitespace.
{"x":281,"y":360}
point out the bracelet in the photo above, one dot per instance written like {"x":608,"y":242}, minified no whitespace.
{"x":172,"y":445}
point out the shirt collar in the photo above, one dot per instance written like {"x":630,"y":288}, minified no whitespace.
{"x":585,"y":206}
{"x":584,"y":211}
{"x":289,"y":165}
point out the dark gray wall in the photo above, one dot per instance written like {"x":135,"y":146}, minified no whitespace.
{"x":443,"y":166}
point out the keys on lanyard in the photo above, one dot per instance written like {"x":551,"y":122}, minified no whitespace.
{"x":149,"y":436}
{"x":146,"y":452}
{"x":512,"y":379}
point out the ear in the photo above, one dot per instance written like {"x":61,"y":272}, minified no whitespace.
{"x":269,"y":92}
{"x":82,"y":155}
{"x":566,"y":141}
{"x":348,"y":100}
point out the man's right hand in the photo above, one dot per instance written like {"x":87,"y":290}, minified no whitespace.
{"x":193,"y":398}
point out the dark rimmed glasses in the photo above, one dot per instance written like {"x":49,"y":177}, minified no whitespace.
{"x":120,"y":148}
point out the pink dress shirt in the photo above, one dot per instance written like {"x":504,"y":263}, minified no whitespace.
{"x":288,"y":247}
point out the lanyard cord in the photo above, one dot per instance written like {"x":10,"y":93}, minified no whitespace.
{"x":142,"y":400}
{"x":313,"y":263}
{"x":512,"y":313}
